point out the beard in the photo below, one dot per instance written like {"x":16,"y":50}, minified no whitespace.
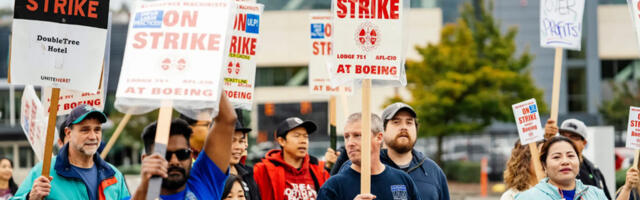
{"x":86,"y":150}
{"x":175,"y":184}
{"x":401,"y":147}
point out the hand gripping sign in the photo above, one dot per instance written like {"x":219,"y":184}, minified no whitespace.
{"x":528,"y":121}
{"x":33,"y":120}
{"x":240,"y":70}
{"x":175,"y":51}
{"x":321,"y":32}
{"x":369,"y":42}
{"x":59,"y":44}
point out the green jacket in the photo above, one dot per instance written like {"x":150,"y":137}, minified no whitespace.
{"x":544,"y":190}
{"x":67,"y":184}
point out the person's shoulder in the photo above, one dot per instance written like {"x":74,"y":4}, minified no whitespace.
{"x":531,"y":194}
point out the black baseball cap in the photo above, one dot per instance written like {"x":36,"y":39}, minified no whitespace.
{"x":393,"y":109}
{"x":293,"y":122}
{"x":241,"y":128}
{"x":81,"y":112}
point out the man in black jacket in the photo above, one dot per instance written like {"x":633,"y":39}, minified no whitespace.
{"x":589,"y":174}
{"x":238,"y":149}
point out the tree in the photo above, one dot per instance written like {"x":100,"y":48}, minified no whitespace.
{"x":471,"y":78}
{"x":616,"y":110}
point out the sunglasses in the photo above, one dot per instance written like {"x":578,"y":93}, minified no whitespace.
{"x":181,"y":154}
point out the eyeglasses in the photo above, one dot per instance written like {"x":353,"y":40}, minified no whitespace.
{"x":182,"y":154}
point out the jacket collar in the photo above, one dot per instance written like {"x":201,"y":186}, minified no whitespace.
{"x":417,"y":158}
{"x":552,"y":190}
{"x":63,"y":166}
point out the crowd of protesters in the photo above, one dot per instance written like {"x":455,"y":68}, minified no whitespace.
{"x":207,"y":160}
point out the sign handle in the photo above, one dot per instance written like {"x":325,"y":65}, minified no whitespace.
{"x":160,"y":145}
{"x":557,"y":75}
{"x":115,"y":135}
{"x":635,"y":159}
{"x":51,"y":127}
{"x":535,"y":159}
{"x":333,"y":138}
{"x":365,"y":168}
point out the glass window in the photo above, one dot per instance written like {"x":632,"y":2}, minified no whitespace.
{"x":6,"y":151}
{"x":281,"y":76}
{"x":610,"y":69}
{"x":26,"y":157}
{"x":576,"y":78}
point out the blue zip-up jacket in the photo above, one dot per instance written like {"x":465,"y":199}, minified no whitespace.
{"x":68,"y":184}
{"x":545,"y":191}
{"x":429,"y":178}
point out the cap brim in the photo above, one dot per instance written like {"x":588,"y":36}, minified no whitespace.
{"x":570,"y":131}
{"x":309,"y":125}
{"x":101,"y":117}
{"x":243,"y":130}
{"x":408,"y":109}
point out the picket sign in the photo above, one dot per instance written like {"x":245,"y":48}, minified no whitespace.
{"x":530,"y":130}
{"x":634,"y":8}
{"x":633,"y":132}
{"x":58,"y":51}
{"x":368,"y":44}
{"x":32,"y":120}
{"x":560,"y":27}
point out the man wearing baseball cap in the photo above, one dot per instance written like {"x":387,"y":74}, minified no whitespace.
{"x":237,"y":167}
{"x":589,"y":174}
{"x":77,"y":172}
{"x":400,"y":134}
{"x":290,"y":173}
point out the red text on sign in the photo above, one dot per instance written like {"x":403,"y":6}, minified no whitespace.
{"x":527,"y":118}
{"x":322,"y":48}
{"x":243,"y":45}
{"x":81,"y":8}
{"x":368,"y":9}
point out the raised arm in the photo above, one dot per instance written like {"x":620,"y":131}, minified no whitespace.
{"x":218,"y":143}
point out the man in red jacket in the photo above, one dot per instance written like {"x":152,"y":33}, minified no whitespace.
{"x":290,"y":173}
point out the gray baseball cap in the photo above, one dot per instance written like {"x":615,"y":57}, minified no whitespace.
{"x":393,"y":109}
{"x":574,"y":126}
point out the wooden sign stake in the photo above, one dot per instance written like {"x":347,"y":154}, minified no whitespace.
{"x":160,"y":145}
{"x":333,"y":138}
{"x":115,"y":135}
{"x":635,"y":159}
{"x":535,"y":159}
{"x":51,"y":128}
{"x":557,"y":76}
{"x":365,"y":149}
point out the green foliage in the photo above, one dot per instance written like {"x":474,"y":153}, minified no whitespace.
{"x":462,"y":171}
{"x":621,"y":176}
{"x":616,"y":110}
{"x":471,"y":78}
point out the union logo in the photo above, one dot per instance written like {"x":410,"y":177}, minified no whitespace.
{"x":367,"y":36}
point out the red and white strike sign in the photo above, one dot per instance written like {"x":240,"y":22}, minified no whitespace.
{"x":321,"y":51}
{"x":368,"y":39}
{"x":33,"y":120}
{"x":528,"y":121}
{"x":633,"y":130}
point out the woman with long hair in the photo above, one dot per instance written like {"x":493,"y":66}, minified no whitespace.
{"x":233,"y":189}
{"x":8,"y":187}
{"x":519,"y":175}
{"x":560,"y":160}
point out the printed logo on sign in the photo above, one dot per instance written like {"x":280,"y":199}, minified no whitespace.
{"x":149,"y":19}
{"x":399,"y":192}
{"x":533,"y":108}
{"x":317,"y":31}
{"x":367,"y":36}
{"x":253,"y":23}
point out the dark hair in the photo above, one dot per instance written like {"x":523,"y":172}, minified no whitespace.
{"x":189,"y":120}
{"x":229,"y":184}
{"x":544,"y":151}
{"x":178,"y":127}
{"x":12,"y":184}
{"x":66,"y":124}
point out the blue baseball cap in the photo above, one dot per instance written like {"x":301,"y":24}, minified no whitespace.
{"x":79,"y":113}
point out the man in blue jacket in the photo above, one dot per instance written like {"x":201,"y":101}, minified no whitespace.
{"x":400,"y":134}
{"x":77,"y":172}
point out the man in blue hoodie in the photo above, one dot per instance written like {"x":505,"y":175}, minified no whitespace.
{"x":400,"y":134}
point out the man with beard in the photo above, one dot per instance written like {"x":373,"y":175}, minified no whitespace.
{"x":206,"y":178}
{"x":400,"y":134}
{"x":244,"y":172}
{"x":291,"y":173}
{"x":77,"y":172}
{"x":386,"y":182}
